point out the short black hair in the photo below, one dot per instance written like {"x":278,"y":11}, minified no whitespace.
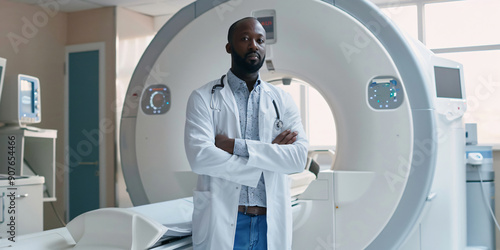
{"x":233,"y":27}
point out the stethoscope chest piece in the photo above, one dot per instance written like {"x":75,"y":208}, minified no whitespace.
{"x":278,"y":124}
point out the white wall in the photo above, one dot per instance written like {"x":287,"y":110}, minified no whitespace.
{"x":134,"y":32}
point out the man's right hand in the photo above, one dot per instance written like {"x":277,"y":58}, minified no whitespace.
{"x":286,"y":137}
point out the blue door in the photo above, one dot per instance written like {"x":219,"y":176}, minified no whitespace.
{"x":83,"y":76}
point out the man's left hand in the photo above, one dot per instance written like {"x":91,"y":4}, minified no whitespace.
{"x":225,"y":143}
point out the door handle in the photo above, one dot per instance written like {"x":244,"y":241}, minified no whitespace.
{"x":89,"y":163}
{"x":21,"y":195}
{"x":3,"y":209}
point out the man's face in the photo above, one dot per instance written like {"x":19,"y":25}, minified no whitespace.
{"x":248,"y":48}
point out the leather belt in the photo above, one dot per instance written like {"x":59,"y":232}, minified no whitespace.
{"x":252,"y":211}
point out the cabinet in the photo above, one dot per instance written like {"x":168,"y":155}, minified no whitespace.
{"x":30,"y":152}
{"x":21,"y":206}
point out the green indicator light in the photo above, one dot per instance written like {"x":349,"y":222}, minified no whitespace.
{"x":378,"y":100}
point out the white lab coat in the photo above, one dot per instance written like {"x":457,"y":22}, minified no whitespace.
{"x":221,"y":174}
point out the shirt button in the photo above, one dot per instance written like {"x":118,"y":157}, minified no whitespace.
{"x":237,"y":187}
{"x":232,"y":225}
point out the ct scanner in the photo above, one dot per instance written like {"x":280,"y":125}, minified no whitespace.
{"x":398,"y":181}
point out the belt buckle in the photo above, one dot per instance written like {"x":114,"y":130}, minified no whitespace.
{"x":246,"y":212}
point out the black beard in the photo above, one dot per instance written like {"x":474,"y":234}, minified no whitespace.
{"x":241,"y":63}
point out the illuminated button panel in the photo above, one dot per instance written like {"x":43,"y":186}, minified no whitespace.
{"x":156,"y":100}
{"x":385,"y":93}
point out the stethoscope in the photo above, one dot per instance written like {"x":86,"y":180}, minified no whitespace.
{"x":278,"y":123}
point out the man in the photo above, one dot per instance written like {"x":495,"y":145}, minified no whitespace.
{"x":243,"y":137}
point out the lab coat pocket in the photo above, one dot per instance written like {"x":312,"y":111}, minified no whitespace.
{"x":220,"y":120}
{"x":201,"y":215}
{"x":217,"y":120}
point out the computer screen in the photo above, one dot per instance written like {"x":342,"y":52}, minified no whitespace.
{"x":29,"y":109}
{"x":3,"y":62}
{"x":27,"y":96}
{"x":448,"y":84}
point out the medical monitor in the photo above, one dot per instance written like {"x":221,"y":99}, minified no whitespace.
{"x":450,"y":101}
{"x":268,"y":20}
{"x":3,"y":62}
{"x":20,"y":103}
{"x":448,"y":83}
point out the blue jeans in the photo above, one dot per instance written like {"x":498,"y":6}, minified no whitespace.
{"x":251,"y":232}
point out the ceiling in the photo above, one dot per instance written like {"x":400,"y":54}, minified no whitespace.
{"x":147,"y":7}
{"x":154,"y":7}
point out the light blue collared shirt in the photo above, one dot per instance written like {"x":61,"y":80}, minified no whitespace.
{"x":248,"y":110}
